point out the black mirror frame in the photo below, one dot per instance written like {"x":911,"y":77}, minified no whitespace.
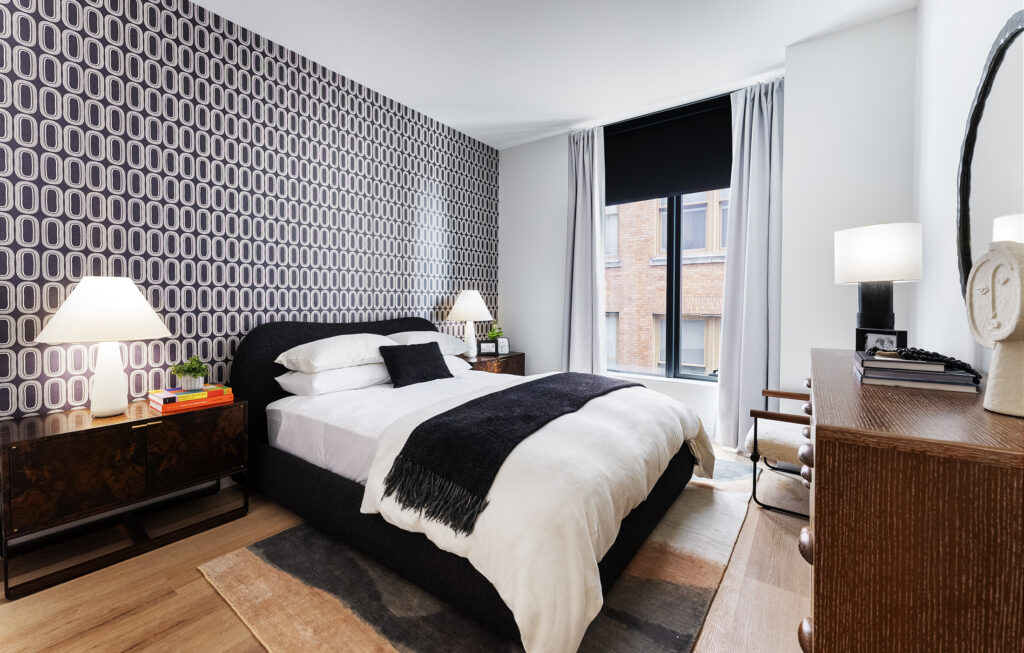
{"x":1010,"y":31}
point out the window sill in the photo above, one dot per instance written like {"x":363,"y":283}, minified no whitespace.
{"x":662,"y":379}
{"x":659,"y":260}
{"x":692,"y":259}
{"x":613,"y":263}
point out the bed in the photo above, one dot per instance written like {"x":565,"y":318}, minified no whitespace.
{"x":330,"y":500}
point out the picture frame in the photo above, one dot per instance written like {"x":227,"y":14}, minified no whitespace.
{"x":487,"y":347}
{"x":881,"y":338}
{"x":503,"y":346}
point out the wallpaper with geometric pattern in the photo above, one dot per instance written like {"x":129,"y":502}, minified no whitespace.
{"x":235,"y":181}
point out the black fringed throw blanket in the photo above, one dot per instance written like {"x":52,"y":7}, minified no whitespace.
{"x":449,"y":462}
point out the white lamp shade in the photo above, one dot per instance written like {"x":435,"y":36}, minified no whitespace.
{"x":104,"y":309}
{"x":879,"y":252}
{"x":469,"y":306}
{"x":1008,"y":228}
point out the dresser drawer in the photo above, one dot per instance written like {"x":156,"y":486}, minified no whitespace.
{"x":193,"y":447}
{"x":55,"y":481}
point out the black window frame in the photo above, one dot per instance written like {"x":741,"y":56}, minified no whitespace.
{"x":673,"y":294}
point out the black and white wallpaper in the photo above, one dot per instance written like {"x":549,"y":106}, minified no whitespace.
{"x":236,"y":182}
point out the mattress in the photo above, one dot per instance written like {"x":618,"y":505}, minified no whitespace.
{"x":338,"y":431}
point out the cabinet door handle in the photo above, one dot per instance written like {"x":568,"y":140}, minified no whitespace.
{"x":139,"y":426}
{"x":159,"y":421}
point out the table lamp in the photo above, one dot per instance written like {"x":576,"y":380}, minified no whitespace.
{"x":1008,"y":228}
{"x":875,"y":256}
{"x":105,"y":310}
{"x":470,"y":307}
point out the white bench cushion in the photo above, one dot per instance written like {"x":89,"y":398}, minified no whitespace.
{"x":777,"y":440}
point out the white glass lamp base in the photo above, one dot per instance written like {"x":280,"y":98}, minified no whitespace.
{"x":470,"y":339}
{"x":108,"y":387}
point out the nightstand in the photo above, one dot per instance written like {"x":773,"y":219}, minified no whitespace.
{"x":116,"y":486}
{"x":513,"y":362}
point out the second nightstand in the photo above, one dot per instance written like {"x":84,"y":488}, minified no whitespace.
{"x":513,"y":362}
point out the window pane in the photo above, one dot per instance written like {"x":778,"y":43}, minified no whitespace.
{"x":701,"y":286}
{"x":695,"y":226}
{"x":691,"y":341}
{"x":611,"y":231}
{"x":635,"y":290}
{"x":611,"y":329}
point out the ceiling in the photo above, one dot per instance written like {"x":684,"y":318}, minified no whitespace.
{"x":509,"y":72}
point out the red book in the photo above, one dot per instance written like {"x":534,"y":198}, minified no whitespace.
{"x":179,"y":407}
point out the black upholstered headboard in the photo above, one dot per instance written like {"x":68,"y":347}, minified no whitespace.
{"x":253,"y":368}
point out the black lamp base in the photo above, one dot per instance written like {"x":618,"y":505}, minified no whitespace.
{"x":876,"y":306}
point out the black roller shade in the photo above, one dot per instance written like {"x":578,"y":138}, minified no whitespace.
{"x":683,"y":150}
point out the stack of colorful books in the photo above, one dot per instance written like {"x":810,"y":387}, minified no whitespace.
{"x":880,"y":370}
{"x":176,"y":400}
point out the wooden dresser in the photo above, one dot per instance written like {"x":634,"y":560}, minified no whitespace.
{"x":917,"y":518}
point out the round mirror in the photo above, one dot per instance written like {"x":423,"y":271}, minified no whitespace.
{"x":992,"y":158}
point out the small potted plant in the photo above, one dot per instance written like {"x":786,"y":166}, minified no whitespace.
{"x":191,"y":373}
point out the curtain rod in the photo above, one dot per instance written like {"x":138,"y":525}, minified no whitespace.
{"x":691,"y":98}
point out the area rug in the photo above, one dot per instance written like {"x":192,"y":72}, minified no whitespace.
{"x":300,"y":591}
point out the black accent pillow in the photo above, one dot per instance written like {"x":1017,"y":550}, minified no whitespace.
{"x":409,"y":364}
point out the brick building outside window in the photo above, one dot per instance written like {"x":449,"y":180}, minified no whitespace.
{"x":635,"y":280}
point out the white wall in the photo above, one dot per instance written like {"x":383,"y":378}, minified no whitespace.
{"x":532,"y":207}
{"x":848,"y":161}
{"x":954,"y":37}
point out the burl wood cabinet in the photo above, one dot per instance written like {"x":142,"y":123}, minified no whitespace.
{"x":62,"y":468}
{"x":511,"y":363}
{"x":917,"y":518}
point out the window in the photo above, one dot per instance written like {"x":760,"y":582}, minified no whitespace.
{"x":691,"y":342}
{"x":695,"y":217}
{"x":611,"y":336}
{"x":723,"y":210}
{"x":642,"y":298}
{"x":662,"y":226}
{"x":611,"y":232}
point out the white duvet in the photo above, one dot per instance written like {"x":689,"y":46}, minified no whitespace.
{"x":556,"y":503}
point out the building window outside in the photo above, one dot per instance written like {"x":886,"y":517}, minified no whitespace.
{"x":637,"y":290}
{"x":691,"y":342}
{"x":611,"y":334}
{"x":662,"y":226}
{"x":723,"y":211}
{"x":611,"y":232}
{"x":695,"y":219}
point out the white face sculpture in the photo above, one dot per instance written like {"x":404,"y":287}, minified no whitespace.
{"x":994,"y":292}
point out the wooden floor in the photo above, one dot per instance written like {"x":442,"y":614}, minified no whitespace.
{"x":160,"y":602}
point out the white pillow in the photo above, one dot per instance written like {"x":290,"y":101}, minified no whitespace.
{"x":349,"y":378}
{"x":335,"y":353}
{"x":345,"y":378}
{"x":457,"y":364}
{"x":450,"y":345}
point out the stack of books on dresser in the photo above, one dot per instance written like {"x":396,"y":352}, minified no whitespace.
{"x":176,"y":400}
{"x":879,"y":370}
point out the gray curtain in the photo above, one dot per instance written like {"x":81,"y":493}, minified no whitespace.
{"x":749,"y":360}
{"x":583,"y":338}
